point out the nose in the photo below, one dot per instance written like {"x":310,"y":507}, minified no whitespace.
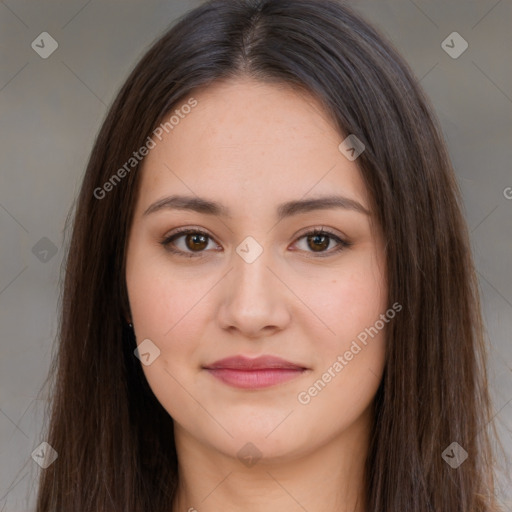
{"x":255,"y":300}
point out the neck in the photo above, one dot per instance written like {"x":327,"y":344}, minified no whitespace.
{"x":325,"y":478}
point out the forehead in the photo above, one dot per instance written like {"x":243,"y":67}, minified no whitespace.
{"x":245,"y":113}
{"x":259,"y":140}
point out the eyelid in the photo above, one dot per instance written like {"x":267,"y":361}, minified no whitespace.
{"x":323,"y":229}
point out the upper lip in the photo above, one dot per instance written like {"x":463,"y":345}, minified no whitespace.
{"x":258,"y":363}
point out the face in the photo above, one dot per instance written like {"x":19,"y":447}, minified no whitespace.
{"x":303,"y":314}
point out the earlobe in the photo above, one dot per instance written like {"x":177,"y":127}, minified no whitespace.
{"x":126,"y":314}
{"x":127,"y":317}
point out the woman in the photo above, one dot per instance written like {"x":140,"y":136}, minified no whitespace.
{"x":270,"y":301}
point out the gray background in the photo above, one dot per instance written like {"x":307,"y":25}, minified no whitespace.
{"x":51,"y":110}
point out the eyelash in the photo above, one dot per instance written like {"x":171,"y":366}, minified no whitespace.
{"x":167,"y":241}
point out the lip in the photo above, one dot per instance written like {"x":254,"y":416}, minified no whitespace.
{"x":265,"y":362}
{"x":254,"y":373}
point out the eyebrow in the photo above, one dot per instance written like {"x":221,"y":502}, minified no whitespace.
{"x":288,"y":209}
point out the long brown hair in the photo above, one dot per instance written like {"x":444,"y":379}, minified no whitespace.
{"x":114,"y":439}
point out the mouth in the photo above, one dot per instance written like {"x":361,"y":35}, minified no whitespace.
{"x":256,"y":373}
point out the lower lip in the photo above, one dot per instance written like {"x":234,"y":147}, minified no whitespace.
{"x":255,"y":379}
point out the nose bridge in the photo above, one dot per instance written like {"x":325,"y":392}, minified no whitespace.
{"x":254,"y":300}
{"x":251,"y":265}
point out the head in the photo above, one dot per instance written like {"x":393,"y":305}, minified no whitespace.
{"x":259,"y":285}
{"x":246,"y":105}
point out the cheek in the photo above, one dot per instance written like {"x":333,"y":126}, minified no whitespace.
{"x":159,"y":306}
{"x":351,"y":350}
{"x":349,"y":364}
{"x":166,"y":310}
{"x":346,"y":304}
{"x":159,"y":297}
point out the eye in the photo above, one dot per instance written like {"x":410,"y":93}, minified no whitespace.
{"x":196,"y":241}
{"x":320,"y":239}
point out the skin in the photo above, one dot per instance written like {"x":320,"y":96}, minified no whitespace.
{"x":252,"y":146}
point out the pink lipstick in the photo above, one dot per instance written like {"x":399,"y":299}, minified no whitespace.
{"x":255,"y":373}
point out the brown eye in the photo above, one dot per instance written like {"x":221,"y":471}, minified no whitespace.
{"x":195,"y":242}
{"x":318,"y":242}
